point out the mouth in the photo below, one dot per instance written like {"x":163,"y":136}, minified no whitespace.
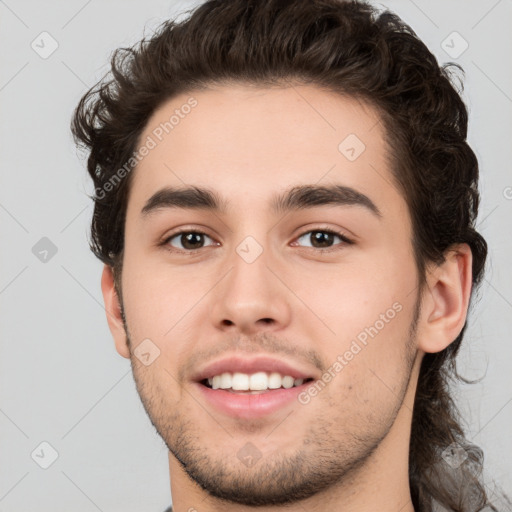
{"x":251,"y":388}
{"x":255,"y":387}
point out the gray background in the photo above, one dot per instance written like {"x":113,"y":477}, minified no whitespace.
{"x":61,"y":380}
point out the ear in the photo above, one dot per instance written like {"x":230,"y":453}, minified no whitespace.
{"x":446,"y":299}
{"x":113,"y":310}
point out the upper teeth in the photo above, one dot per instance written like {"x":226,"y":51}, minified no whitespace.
{"x":255,"y":382}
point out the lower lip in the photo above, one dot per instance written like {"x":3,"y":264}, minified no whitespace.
{"x":248,"y":406}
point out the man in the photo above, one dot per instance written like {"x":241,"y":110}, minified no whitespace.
{"x":285,"y":205}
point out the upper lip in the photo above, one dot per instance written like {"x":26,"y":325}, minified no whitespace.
{"x":251,"y":365}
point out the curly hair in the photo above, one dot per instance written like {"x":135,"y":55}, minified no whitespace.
{"x":349,"y":48}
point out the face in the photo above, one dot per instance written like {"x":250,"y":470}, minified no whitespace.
{"x":318,"y":287}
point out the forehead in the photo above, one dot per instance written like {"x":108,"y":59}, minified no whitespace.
{"x":252,"y":141}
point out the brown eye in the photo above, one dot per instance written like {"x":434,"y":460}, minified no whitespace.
{"x":189,"y":240}
{"x":324,"y":238}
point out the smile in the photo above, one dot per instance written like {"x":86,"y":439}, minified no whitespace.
{"x":253,"y":383}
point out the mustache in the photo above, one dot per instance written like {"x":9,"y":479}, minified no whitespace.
{"x":260,"y":343}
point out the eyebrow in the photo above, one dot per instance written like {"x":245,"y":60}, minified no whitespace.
{"x":295,"y":198}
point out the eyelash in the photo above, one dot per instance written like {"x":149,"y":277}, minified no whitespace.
{"x":344,"y":238}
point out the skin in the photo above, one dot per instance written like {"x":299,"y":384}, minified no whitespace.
{"x":349,"y":445}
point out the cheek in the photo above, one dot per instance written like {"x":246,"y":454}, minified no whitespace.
{"x":368,"y":309}
{"x":164,"y":305}
{"x":367,"y":374}
{"x":352,"y":295}
{"x":156,"y":294}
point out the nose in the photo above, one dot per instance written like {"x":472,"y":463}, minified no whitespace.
{"x":252,"y":297}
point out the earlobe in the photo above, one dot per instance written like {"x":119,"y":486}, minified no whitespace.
{"x":113,"y":311}
{"x":446,"y":299}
